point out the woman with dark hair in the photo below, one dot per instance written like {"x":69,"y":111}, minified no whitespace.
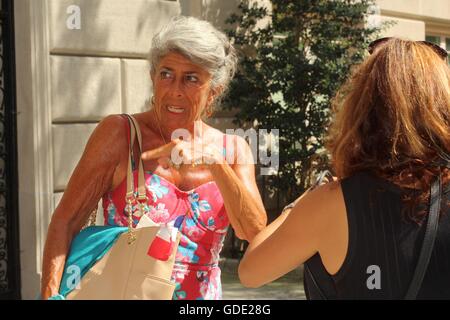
{"x":361,"y":235}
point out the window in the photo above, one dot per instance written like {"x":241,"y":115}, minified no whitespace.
{"x":442,"y":41}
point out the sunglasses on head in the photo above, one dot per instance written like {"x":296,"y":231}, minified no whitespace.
{"x":440,"y":51}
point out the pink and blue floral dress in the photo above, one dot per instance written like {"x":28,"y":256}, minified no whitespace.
{"x":203,"y":229}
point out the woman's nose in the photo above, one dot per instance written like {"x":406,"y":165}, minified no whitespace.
{"x":177,"y":88}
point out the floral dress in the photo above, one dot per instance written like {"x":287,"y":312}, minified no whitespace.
{"x":203,"y":229}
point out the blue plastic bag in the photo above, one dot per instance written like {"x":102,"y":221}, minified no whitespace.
{"x":89,"y":246}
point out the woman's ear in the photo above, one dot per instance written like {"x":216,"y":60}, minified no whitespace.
{"x":213,"y":94}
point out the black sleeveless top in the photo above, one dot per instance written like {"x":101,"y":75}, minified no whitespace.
{"x":383,"y":247}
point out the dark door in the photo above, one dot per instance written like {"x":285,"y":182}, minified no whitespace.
{"x":9,"y":231}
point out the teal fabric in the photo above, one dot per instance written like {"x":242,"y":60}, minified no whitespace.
{"x":89,"y":246}
{"x":55,"y":297}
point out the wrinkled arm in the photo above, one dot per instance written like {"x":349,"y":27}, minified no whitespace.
{"x":91,"y":178}
{"x":236,"y":182}
{"x":241,"y":196}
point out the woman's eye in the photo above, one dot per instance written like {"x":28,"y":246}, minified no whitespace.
{"x":165,"y":75}
{"x":192,"y":78}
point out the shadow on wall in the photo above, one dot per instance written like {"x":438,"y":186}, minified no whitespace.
{"x":89,"y":72}
{"x":214,"y":11}
{"x":218,"y":11}
{"x":87,"y":89}
{"x":149,"y":17}
{"x":80,"y":93}
{"x":83,"y":87}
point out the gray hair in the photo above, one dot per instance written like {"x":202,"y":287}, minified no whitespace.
{"x":200,"y":42}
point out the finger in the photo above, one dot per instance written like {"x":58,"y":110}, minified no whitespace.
{"x":182,"y":153}
{"x":163,"y":151}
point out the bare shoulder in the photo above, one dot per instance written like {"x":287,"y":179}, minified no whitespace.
{"x":108,"y":140}
{"x":93,"y":174}
{"x":318,"y":207}
{"x":111,"y":125}
{"x":330,"y":188}
{"x":330,"y":199}
{"x":142,"y":118}
{"x":324,"y":197}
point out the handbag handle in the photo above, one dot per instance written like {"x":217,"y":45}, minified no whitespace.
{"x":135,"y":133}
{"x":130,"y":195}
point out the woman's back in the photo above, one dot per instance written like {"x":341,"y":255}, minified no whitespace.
{"x":384,"y":247}
{"x":391,"y":118}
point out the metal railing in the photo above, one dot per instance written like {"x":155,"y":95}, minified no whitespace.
{"x":9,"y":233}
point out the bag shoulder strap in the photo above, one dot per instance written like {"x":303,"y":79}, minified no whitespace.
{"x":135,"y":132}
{"x":428,"y":241}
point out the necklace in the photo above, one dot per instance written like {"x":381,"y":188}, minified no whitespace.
{"x":171,"y":163}
{"x":160,"y":132}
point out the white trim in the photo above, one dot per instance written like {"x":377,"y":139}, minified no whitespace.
{"x":35,"y":165}
{"x":41,"y":122}
{"x":411,"y":16}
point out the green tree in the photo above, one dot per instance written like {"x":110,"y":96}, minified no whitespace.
{"x":293,"y":58}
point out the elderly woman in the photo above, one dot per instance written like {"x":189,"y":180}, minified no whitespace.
{"x":191,"y":66}
{"x":360,"y":237}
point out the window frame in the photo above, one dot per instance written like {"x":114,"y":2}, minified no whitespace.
{"x":442,"y":41}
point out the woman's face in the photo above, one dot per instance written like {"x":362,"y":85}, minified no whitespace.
{"x":181,"y":91}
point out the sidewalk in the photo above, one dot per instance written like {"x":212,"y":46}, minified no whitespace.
{"x":289,"y":287}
